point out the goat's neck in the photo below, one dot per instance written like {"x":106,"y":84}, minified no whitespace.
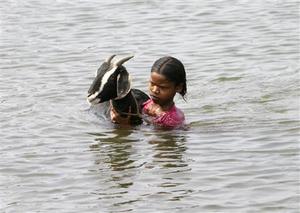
{"x":126,"y":99}
{"x":122,"y":105}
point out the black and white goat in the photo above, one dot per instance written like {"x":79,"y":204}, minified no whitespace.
{"x":113,"y":84}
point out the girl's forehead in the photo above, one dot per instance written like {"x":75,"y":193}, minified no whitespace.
{"x":159,"y":78}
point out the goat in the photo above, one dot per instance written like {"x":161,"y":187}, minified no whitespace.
{"x":113,"y":84}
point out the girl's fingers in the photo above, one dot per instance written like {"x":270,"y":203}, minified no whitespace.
{"x":116,"y":118}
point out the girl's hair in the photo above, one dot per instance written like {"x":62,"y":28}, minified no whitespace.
{"x":173,"y":70}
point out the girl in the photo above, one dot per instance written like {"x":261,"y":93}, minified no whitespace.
{"x":167,"y":78}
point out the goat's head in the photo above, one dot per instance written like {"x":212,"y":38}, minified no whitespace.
{"x":112,"y":81}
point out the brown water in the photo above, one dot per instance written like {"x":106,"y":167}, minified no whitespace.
{"x":240,"y":153}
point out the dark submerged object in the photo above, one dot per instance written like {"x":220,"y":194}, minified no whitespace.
{"x":112,"y":83}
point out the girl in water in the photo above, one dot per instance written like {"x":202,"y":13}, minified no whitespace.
{"x":167,"y":78}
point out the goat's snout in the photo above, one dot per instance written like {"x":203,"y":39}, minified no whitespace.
{"x":92,"y":98}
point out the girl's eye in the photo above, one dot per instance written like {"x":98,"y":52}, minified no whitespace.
{"x":159,"y":86}
{"x":152,"y":84}
{"x":163,"y":87}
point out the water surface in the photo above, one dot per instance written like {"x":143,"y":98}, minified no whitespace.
{"x":240,"y":153}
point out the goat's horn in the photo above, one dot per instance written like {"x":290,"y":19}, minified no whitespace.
{"x":108,"y":60}
{"x":123,"y":60}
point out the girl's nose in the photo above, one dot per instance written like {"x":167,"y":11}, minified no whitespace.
{"x":155,"y":89}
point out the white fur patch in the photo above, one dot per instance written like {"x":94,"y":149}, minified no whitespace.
{"x":106,"y":77}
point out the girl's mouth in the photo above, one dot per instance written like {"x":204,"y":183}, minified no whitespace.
{"x":154,"y":98}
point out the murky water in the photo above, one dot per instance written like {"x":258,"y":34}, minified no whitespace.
{"x":241,"y":152}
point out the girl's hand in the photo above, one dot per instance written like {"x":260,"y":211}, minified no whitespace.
{"x":154,"y":110}
{"x":117,"y":119}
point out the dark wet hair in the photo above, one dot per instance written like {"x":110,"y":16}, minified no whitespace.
{"x":173,"y":70}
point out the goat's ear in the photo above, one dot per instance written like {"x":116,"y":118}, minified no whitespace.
{"x":123,"y":84}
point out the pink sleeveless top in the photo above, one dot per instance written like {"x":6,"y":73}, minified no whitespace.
{"x":174,"y":118}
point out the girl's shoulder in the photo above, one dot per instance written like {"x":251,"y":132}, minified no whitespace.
{"x":172,"y":118}
{"x":174,"y":115}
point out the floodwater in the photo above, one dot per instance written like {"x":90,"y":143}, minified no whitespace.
{"x":240,"y":152}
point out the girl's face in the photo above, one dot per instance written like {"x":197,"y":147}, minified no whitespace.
{"x":162,"y":91}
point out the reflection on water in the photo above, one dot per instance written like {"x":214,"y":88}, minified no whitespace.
{"x":155,"y":162}
{"x":114,"y":150}
{"x":169,"y":149}
{"x":117,"y":147}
